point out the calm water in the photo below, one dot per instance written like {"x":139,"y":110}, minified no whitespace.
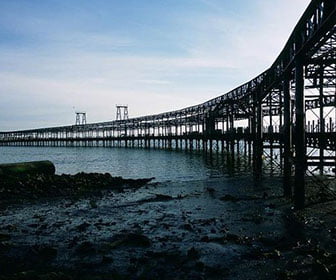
{"x":129,"y":163}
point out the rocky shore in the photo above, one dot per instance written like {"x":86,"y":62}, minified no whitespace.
{"x":95,"y":226}
{"x":32,"y":186}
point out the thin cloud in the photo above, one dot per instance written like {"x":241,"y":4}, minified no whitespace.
{"x":94,"y":69}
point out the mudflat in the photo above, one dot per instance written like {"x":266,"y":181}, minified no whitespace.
{"x":224,"y":228}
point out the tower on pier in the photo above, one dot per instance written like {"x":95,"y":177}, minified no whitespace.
{"x":80,"y":118}
{"x":122,"y":112}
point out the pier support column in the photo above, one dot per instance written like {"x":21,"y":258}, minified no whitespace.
{"x":287,"y":140}
{"x":300,"y":145}
{"x":322,"y":121}
{"x":257,"y":143}
{"x":232,"y":133}
{"x":210,"y":130}
{"x":250,"y":132}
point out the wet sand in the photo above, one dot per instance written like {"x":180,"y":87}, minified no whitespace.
{"x":221,"y":228}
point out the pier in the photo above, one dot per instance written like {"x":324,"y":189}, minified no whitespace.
{"x":287,"y":114}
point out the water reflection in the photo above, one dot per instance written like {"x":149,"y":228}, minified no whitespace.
{"x":133,"y":163}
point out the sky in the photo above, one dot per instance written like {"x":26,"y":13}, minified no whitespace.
{"x":58,"y":57}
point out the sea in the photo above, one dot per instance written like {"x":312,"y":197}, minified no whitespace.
{"x":164,"y":165}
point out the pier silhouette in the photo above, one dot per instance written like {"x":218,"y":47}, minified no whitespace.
{"x":288,"y":110}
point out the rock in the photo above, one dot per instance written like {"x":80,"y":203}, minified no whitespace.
{"x":232,"y":237}
{"x":199,"y":266}
{"x":73,"y":242}
{"x":192,"y":253}
{"x":93,"y":203}
{"x":205,"y":239}
{"x":229,"y":197}
{"x":136,"y":183}
{"x":210,"y":190}
{"x":187,"y":227}
{"x":130,"y":239}
{"x":162,"y":197}
{"x":156,"y":198}
{"x":34,"y":225}
{"x":106,"y":260}
{"x":85,"y":248}
{"x":46,"y":252}
{"x":83,"y":226}
{"x":270,"y":242}
{"x":4,"y":237}
{"x":272,"y":255}
{"x":31,"y":185}
{"x":229,"y":237}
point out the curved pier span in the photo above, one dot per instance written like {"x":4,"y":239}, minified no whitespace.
{"x":288,"y":110}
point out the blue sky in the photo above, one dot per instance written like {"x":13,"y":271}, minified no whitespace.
{"x":60,"y":56}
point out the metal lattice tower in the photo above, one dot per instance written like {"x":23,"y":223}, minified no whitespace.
{"x":80,"y":118}
{"x":121,"y":116}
